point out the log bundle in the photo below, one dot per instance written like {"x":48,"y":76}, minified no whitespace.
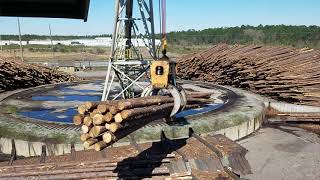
{"x":282,"y":73}
{"x":105,"y":123}
{"x":18,"y":74}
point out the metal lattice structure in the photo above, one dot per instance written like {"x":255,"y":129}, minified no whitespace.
{"x":133,"y":33}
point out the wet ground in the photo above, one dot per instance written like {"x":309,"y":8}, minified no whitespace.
{"x":59,"y":104}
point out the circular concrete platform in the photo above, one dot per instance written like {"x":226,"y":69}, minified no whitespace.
{"x":42,"y":115}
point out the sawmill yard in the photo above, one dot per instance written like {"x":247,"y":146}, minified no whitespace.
{"x":252,"y":111}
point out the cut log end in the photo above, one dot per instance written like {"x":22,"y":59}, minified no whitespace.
{"x":84,"y":137}
{"x":85,"y":129}
{"x":118,"y":118}
{"x":88,"y":143}
{"x":114,"y":109}
{"x":90,"y":105}
{"x":78,"y":119}
{"x":100,"y":145}
{"x":102,"y":108}
{"x":97,"y":130}
{"x":107,"y":137}
{"x":98,"y":119}
{"x":82,"y":109}
{"x":114,"y":127}
{"x":108,"y":117}
{"x":87,"y":121}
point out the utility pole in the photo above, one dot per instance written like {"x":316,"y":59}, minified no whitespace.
{"x":52,"y":48}
{"x":21,"y":49}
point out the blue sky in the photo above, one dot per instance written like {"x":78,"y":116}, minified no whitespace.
{"x":182,"y":15}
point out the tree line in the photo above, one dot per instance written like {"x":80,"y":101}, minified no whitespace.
{"x":296,"y":36}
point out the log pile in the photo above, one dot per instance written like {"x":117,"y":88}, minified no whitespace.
{"x":18,"y":74}
{"x":282,"y":73}
{"x":105,"y":123}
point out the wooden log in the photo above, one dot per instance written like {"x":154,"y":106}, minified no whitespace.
{"x":109,"y":137}
{"x":89,"y":173}
{"x":103,"y":108}
{"x":107,"y":125}
{"x":199,"y":95}
{"x":90,"y":105}
{"x":78,"y":119}
{"x":98,"y":119}
{"x":88,"y":121}
{"x":85,"y":129}
{"x":95,"y":131}
{"x":118,"y":118}
{"x":199,"y":101}
{"x":193,"y":106}
{"x":142,"y":102}
{"x":94,"y":112}
{"x":145,"y":111}
{"x":88,"y":143}
{"x":108,"y":117}
{"x":100,"y":145}
{"x":84,"y":137}
{"x":113,"y":127}
{"x":114,"y":109}
{"x":82,"y":109}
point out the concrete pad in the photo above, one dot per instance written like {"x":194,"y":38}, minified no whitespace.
{"x":276,"y":154}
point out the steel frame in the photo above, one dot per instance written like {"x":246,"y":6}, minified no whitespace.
{"x":130,"y":70}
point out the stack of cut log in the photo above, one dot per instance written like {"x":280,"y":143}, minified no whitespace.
{"x":18,"y":74}
{"x":104,"y":123}
{"x":282,"y":73}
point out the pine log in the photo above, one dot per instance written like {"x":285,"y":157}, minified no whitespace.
{"x":84,"y":137}
{"x":94,"y":112}
{"x":98,"y":119}
{"x":88,"y":121}
{"x":107,"y":125}
{"x":113,"y":127}
{"x":164,"y":109}
{"x":109,"y":137}
{"x":199,"y":95}
{"x":90,"y":105}
{"x":97,"y":130}
{"x":88,"y":143}
{"x":85,"y":129}
{"x":78,"y":119}
{"x":114,"y":109}
{"x":142,"y":102}
{"x":108,"y":117}
{"x":82,"y":109}
{"x":103,"y":108}
{"x":100,"y":145}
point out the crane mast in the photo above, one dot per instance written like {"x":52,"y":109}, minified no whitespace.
{"x":133,"y":34}
{"x":128,"y":66}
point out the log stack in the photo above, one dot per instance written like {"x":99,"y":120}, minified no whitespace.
{"x":105,"y":123}
{"x":18,"y":74}
{"x":282,"y":73}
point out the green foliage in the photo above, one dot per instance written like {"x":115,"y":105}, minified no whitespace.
{"x":296,"y":36}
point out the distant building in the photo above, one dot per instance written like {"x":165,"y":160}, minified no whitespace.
{"x":103,"y":41}
{"x":67,"y":69}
